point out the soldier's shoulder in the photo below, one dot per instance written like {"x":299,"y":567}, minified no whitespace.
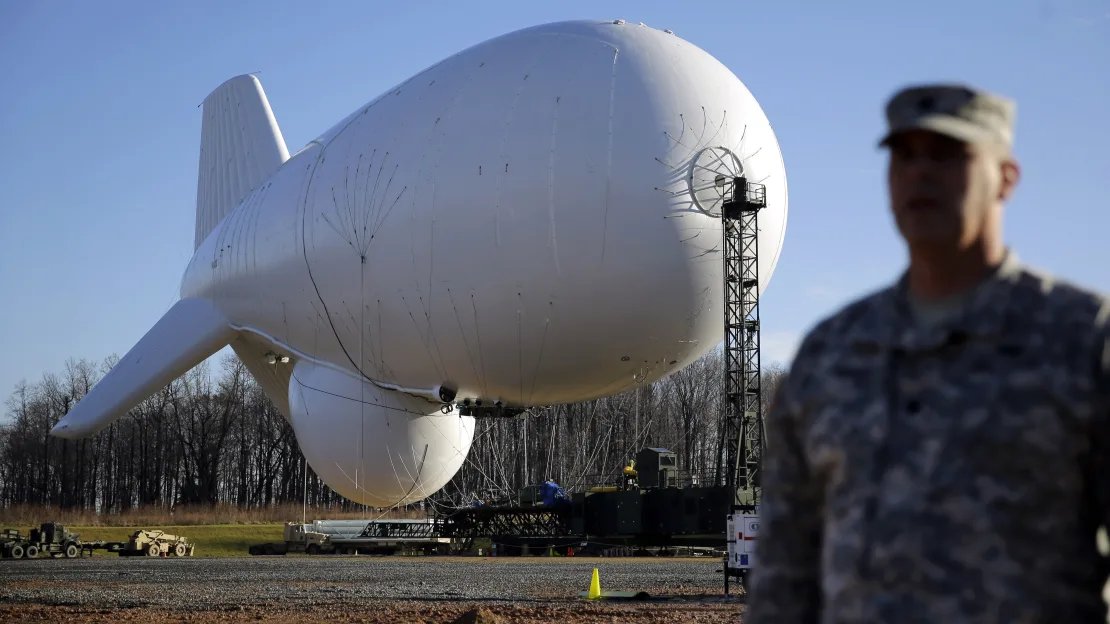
{"x":864,"y":314}
{"x":1058,"y":300}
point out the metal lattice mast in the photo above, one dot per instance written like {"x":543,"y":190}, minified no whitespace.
{"x":743,"y":399}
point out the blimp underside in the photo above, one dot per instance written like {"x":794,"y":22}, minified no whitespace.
{"x":532,"y":221}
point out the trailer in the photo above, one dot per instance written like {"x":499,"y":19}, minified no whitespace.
{"x":358,"y":537}
{"x":12,"y":544}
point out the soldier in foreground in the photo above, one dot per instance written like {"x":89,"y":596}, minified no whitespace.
{"x":940,"y":451}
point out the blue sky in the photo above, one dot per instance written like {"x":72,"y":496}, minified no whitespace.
{"x":100,"y":124}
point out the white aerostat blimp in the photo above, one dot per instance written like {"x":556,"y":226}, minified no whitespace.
{"x":532,"y":221}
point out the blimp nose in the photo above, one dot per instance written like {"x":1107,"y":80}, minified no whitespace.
{"x":537,"y":220}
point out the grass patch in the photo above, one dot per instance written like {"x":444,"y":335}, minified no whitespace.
{"x":217,"y":540}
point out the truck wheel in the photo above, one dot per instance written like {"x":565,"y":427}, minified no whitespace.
{"x":179,"y":550}
{"x":32,"y":551}
{"x":313,"y":549}
{"x":71,"y":551}
{"x":154,"y":550}
{"x":17,"y":551}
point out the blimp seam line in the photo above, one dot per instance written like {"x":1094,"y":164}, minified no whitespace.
{"x":368,"y":193}
{"x":431,"y":256}
{"x":431,"y":270}
{"x":255,"y":230}
{"x":462,"y":334}
{"x":355,"y":199}
{"x":385,"y":216}
{"x":221,"y":175}
{"x":502,"y":151}
{"x":378,"y":221}
{"x":366,"y":180}
{"x":235,"y":233}
{"x":408,"y":474}
{"x":355,"y":482}
{"x":519,"y":353}
{"x":478,"y":339}
{"x":350,"y":317}
{"x":372,"y":208}
{"x":361,"y":445}
{"x":609,"y":153}
{"x":677,"y":140}
{"x":348,"y":205}
{"x":341,"y":227}
{"x":539,"y":358}
{"x":435,"y":425}
{"x":682,"y":133}
{"x":316,"y":287}
{"x":551,"y":184}
{"x":466,"y":455}
{"x":235,"y":139}
{"x":431,"y":334}
{"x":701,"y":135}
{"x":246,"y":230}
{"x":418,"y":393}
{"x":720,"y":126}
{"x":380,"y":349}
{"x":347,"y":398}
{"x":359,"y":210}
{"x":218,"y":168}
{"x":371,"y":212}
{"x":362,"y":352}
{"x":419,"y":470}
{"x":424,"y":338}
{"x":397,"y":475}
{"x":251,"y":165}
{"x":470,"y":462}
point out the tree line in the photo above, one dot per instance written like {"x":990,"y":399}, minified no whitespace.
{"x":213,"y":437}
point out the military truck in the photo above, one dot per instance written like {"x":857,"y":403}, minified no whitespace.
{"x":49,"y":538}
{"x":298,"y":539}
{"x":53,"y":539}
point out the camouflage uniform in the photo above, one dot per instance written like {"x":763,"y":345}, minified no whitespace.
{"x":947,"y":472}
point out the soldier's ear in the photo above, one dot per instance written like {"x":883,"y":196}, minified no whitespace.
{"x":1011,"y":174}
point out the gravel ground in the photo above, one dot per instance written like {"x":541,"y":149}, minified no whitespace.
{"x":362,"y":589}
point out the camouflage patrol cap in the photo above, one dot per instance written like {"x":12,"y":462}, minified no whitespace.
{"x":954,"y":110}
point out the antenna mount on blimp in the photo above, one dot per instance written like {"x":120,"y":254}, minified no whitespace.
{"x":711,"y":177}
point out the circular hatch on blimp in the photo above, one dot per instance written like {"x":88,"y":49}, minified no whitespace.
{"x":710,"y":176}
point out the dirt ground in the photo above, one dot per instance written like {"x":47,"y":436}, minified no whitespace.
{"x":391,"y":612}
{"x":364,"y":589}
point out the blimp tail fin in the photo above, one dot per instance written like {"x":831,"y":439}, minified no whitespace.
{"x":240,"y":146}
{"x":189,"y":332}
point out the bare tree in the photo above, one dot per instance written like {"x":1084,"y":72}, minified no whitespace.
{"x":214,"y":437}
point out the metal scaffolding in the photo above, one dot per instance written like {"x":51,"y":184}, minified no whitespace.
{"x":501,"y":523}
{"x":743,"y":417}
{"x":743,"y":413}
